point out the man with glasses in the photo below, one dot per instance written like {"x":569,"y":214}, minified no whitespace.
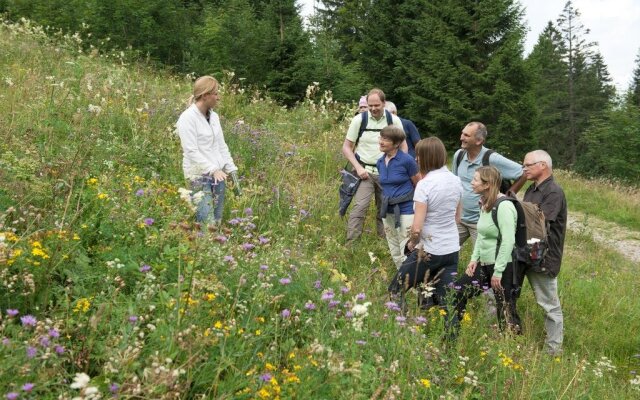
{"x":472,"y":156}
{"x":545,"y":192}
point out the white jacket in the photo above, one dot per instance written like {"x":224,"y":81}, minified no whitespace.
{"x":203,"y":147}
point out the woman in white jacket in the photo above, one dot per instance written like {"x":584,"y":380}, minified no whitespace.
{"x":206,"y":161}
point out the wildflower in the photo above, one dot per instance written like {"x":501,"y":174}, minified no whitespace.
{"x":31,"y":352}
{"x":361,"y":342}
{"x":420,"y":320}
{"x":426,"y":383}
{"x":393,"y":306}
{"x":148,"y":221}
{"x":133,"y":319}
{"x":309,"y":305}
{"x":265,"y":377}
{"x":317,"y":285}
{"x":59,"y":349}
{"x":53,"y":332}
{"x":401,"y":320}
{"x":360,"y":296}
{"x":348,"y":315}
{"x":333,"y":303}
{"x":28,"y":320}
{"x":12,"y":396}
{"x":285,"y":313}
{"x":304,"y":213}
{"x":344,"y":289}
{"x":443,"y":312}
{"x":27,"y":387}
{"x":361,"y":309}
{"x":102,"y":196}
{"x":228,"y":259}
{"x":44,"y":341}
{"x":248,"y":211}
{"x":12,"y":312}
{"x":285,"y":281}
{"x":83,"y":305}
{"x":145,"y":268}
{"x":92,"y":181}
{"x":328,"y":295}
{"x":113,"y":388}
{"x":140,"y":192}
{"x":248,"y":246}
{"x":80,"y":381}
{"x":264,"y":267}
{"x":263,"y":240}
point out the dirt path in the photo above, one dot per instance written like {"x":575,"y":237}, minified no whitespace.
{"x":619,"y":238}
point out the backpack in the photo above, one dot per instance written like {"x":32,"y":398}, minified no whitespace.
{"x":365,"y":122}
{"x":505,"y":185}
{"x":531,"y":232}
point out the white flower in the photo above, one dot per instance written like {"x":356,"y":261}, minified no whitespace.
{"x":94,"y":109}
{"x":80,"y":381}
{"x":360,"y":309}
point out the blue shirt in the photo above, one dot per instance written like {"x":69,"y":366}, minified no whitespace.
{"x":465,"y":171}
{"x":413,"y":136}
{"x":395,"y":179}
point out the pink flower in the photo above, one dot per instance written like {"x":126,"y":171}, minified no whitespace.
{"x":28,"y":320}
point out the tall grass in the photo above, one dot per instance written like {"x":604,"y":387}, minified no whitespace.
{"x":100,"y":249}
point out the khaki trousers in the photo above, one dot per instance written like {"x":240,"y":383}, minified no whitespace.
{"x":369,"y":188}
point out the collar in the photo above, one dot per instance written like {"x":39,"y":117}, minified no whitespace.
{"x":546,"y":182}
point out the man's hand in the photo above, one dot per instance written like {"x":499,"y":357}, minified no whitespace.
{"x":471,"y":268}
{"x":219,"y":176}
{"x":362,"y":173}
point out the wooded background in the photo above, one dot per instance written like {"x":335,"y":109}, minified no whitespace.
{"x":443,"y":62}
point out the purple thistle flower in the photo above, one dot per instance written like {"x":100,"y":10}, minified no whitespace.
{"x":248,"y":211}
{"x":59,"y":349}
{"x":28,"y":320}
{"x":376,"y":334}
{"x":474,"y":283}
{"x":304,"y":213}
{"x":44,"y":341}
{"x":234,"y":221}
{"x":263,"y":240}
{"x":285,"y":313}
{"x":361,"y":342}
{"x":317,"y":285}
{"x":31,"y":352}
{"x":285,"y":281}
{"x":140,"y":192}
{"x":420,"y":320}
{"x":392,"y":306}
{"x":133,"y":319}
{"x":361,"y":296}
{"x":12,"y":312}
{"x":145,"y":268}
{"x":327,"y":295}
{"x":454,"y":273}
{"x":27,"y":387}
{"x":333,"y":303}
{"x":228,"y":259}
{"x":401,"y":320}
{"x":457,"y":287}
{"x":264,"y":267}
{"x":265,"y":377}
{"x":248,"y":246}
{"x":53,"y":332}
{"x":309,"y":305}
{"x":348,"y":315}
{"x":12,"y":396}
{"x":149,"y":221}
{"x":221,"y":239}
{"x":113,"y":388}
{"x":344,"y":289}
{"x":6,"y":341}
{"x":250,"y":226}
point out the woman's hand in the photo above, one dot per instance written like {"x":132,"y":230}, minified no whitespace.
{"x":219,"y":176}
{"x":471,"y":268}
{"x":496,"y":283}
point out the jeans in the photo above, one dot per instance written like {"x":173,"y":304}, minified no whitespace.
{"x":209,"y":208}
{"x":412,"y":273}
{"x":468,"y":287}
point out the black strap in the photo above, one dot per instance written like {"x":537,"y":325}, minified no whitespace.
{"x":365,"y":122}
{"x":521,"y":234}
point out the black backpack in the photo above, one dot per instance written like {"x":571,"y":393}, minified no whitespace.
{"x":505,"y":185}
{"x":365,"y":122}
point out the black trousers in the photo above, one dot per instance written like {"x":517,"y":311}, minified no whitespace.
{"x":467,"y":287}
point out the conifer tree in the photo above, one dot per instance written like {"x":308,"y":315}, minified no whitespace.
{"x":634,"y":89}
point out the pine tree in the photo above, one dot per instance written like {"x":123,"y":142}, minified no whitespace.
{"x":634,"y":88}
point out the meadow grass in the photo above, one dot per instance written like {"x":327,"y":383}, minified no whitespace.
{"x":120,"y":284}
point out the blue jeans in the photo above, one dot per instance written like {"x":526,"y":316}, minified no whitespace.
{"x":210,"y":206}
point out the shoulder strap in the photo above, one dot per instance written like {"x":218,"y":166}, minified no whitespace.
{"x":389,"y":117}
{"x":461,"y":154}
{"x":485,"y":158}
{"x":363,"y":126}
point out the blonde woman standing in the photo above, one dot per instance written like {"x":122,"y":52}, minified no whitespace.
{"x":206,"y":161}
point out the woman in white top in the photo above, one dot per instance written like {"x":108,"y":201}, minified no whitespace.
{"x":434,"y":232}
{"x":206,"y":161}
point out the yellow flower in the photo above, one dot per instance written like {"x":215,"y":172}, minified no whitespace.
{"x":292,"y":379}
{"x":466,"y":318}
{"x":264,"y":393}
{"x":76,"y":236}
{"x":425,"y":382}
{"x":92,"y":181}
{"x":258,"y":332}
{"x":36,"y":244}
{"x":269,"y":367}
{"x":210,"y":296}
{"x":83,"y":305}
{"x":103,"y":196}
{"x":218,"y":325}
{"x":443,"y":312}
{"x":206,"y":332}
{"x":37,"y":251}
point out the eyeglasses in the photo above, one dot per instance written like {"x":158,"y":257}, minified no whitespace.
{"x":530,"y":165}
